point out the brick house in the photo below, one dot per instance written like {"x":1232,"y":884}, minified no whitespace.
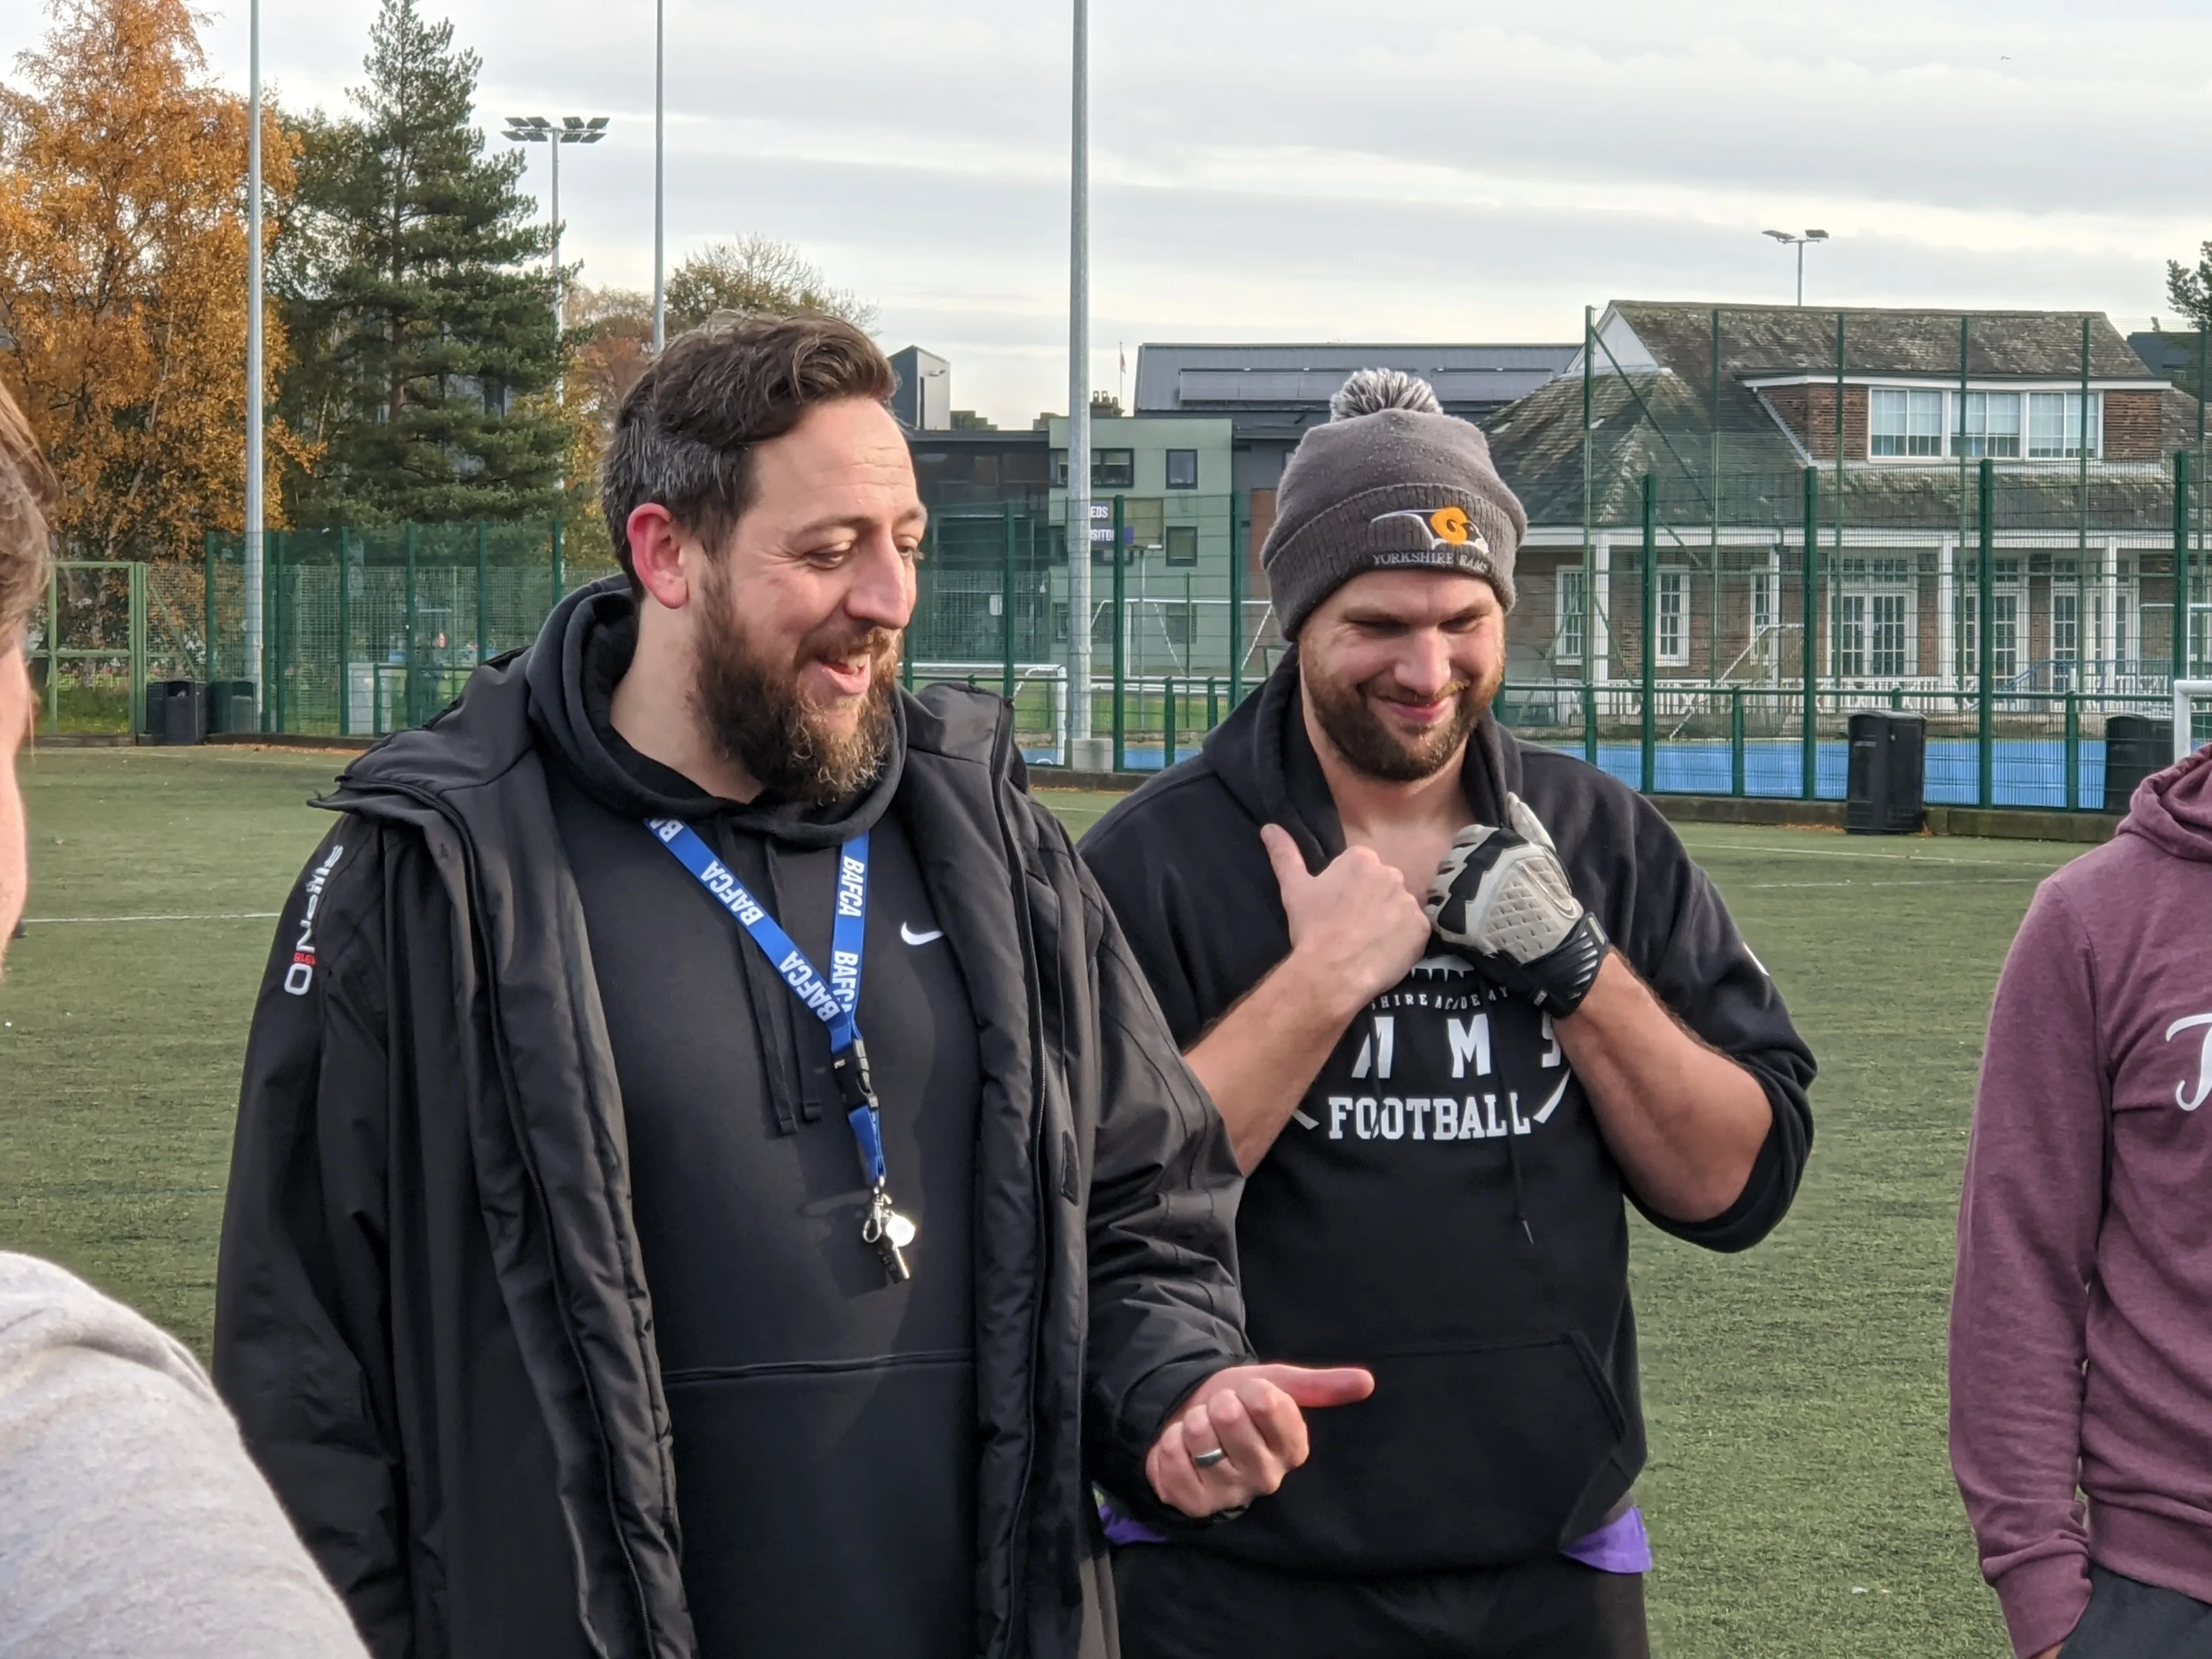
{"x":1724,"y":409}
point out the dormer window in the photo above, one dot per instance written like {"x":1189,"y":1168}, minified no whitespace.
{"x":1905,"y":422}
{"x":1909,"y":424}
{"x":2054,"y":426}
{"x":1992,"y":427}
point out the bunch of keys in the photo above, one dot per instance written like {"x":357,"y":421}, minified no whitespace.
{"x":891,"y":1233}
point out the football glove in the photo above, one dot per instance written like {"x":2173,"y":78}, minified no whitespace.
{"x":1502,"y":901}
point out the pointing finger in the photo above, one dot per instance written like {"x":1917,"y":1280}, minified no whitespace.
{"x":1340,"y":1385}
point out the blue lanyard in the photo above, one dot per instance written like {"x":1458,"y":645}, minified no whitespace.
{"x":835,"y":1000}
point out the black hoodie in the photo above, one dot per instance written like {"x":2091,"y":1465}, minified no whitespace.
{"x":1443,"y":1207}
{"x":791,"y":1365}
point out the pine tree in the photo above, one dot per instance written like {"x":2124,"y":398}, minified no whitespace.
{"x":428,"y":350}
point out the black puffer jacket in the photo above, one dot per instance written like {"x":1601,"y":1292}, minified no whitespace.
{"x":431,"y":1319}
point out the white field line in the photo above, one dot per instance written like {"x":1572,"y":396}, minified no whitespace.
{"x":218,"y":915}
{"x":1968,"y":881}
{"x":1840,"y":853}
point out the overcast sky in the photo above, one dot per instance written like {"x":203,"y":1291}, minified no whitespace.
{"x":1314,"y":169}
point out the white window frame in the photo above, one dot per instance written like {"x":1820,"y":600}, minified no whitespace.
{"x":1909,"y":394}
{"x":1949,"y":438}
{"x":1570,"y":622}
{"x":1759,"y":617}
{"x":1902,"y":598}
{"x":1965,"y":440}
{"x":2069,"y":421}
{"x":2063,"y":593}
{"x":1673,"y":652}
{"x":2004,"y":659}
{"x":1865,"y":578}
{"x":1847,"y":636}
{"x":2007,"y":592}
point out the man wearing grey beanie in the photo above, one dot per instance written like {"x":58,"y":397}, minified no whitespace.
{"x":1455,"y":997}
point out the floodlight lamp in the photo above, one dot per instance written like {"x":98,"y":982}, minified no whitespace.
{"x":1779,"y":235}
{"x":1816,"y":235}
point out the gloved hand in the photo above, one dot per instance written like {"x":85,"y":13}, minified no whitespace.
{"x":1501,"y":899}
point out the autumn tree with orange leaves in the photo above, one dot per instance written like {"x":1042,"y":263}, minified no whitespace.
{"x":123,"y":313}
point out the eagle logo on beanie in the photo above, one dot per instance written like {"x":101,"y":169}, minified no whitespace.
{"x":1446,"y":527}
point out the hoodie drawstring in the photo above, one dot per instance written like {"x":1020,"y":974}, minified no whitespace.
{"x":1519,"y":1197}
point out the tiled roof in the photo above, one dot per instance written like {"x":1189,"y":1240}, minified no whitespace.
{"x":1661,"y":420}
{"x":1762,"y":340}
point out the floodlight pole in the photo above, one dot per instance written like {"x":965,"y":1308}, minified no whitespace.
{"x":659,"y":152}
{"x":252,"y":667}
{"x":1799,"y":242}
{"x":558,"y":320}
{"x":571,"y":129}
{"x":1078,"y":401}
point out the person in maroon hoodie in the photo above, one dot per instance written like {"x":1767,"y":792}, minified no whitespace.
{"x":2082,"y":1317}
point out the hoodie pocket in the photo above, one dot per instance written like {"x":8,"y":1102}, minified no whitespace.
{"x":1464,"y":1456}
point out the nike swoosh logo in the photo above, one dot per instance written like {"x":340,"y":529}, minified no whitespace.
{"x":913,"y":937}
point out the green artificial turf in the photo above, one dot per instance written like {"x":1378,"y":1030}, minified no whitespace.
{"x":1798,"y":1496}
{"x":120,"y":1041}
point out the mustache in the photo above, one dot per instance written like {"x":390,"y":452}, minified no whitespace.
{"x":1450,"y":693}
{"x":871,"y":644}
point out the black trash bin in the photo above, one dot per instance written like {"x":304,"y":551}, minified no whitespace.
{"x":176,"y":711}
{"x":2135,"y":746}
{"x":231,"y":706}
{"x":1888,"y":788}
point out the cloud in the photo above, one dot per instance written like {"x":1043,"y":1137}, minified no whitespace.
{"x":1302,"y":169}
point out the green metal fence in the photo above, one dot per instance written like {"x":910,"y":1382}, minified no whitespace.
{"x":1757,"y":653}
{"x":366,"y":631}
{"x":1675,"y":653}
{"x":1177,"y":635}
{"x":89,"y":650}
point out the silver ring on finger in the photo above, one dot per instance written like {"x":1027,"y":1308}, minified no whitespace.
{"x":1206,"y":1460}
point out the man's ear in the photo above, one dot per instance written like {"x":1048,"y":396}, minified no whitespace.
{"x":656,"y":554}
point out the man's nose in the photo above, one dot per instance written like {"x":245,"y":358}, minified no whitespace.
{"x":882,"y":591}
{"x":1424,"y":666}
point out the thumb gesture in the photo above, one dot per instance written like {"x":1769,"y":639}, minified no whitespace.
{"x":1291,"y":873}
{"x":1355,"y":922}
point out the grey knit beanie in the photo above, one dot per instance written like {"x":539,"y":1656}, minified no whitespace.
{"x":1390,"y":482}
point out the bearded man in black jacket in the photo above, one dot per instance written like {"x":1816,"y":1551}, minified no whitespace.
{"x":710,"y":1179}
{"x":1454,"y":997}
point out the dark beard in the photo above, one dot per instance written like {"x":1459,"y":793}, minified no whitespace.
{"x":1369,"y":746}
{"x":759,"y":720}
